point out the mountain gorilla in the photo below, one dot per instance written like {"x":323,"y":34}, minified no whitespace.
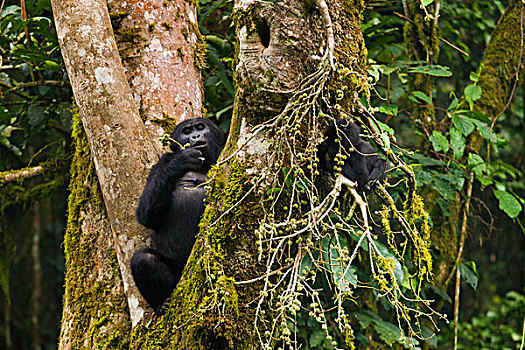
{"x":362,"y":164}
{"x":172,"y":205}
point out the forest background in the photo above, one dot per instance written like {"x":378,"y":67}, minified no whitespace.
{"x":36,"y":148}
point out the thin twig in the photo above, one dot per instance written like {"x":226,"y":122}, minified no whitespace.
{"x":463,"y":234}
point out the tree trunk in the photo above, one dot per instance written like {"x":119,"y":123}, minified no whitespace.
{"x":501,"y":62}
{"x":162,"y":53}
{"x":119,"y":144}
{"x":37,"y":276}
{"x":422,"y":41}
{"x":94,"y":313}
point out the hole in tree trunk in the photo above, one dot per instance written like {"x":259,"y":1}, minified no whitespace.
{"x":264,"y":33}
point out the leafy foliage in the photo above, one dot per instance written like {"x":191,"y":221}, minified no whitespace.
{"x":36,"y":96}
{"x":35,"y":100}
{"x":500,"y":327}
{"x":215,"y":25}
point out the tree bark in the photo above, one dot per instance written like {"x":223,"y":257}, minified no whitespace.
{"x":37,"y":276}
{"x":501,"y":61}
{"x":119,"y":143}
{"x":94,"y":315}
{"x":162,"y":53}
{"x":95,"y":312}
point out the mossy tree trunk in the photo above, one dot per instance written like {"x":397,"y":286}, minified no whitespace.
{"x":111,"y":163}
{"x":501,"y":62}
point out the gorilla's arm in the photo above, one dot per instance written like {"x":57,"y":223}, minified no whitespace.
{"x":157,"y":195}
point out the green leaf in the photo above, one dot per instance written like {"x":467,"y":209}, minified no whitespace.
{"x":474,"y":77}
{"x":429,"y":336}
{"x":472,"y":92}
{"x":385,"y":127}
{"x":469,"y":274}
{"x":422,"y":96}
{"x":365,"y":317}
{"x":9,"y":10}
{"x":477,"y":115}
{"x":453,"y":104}
{"x":463,"y":124}
{"x":426,"y":2}
{"x":508,"y":203}
{"x":439,"y":141}
{"x":485,"y":131}
{"x":53,"y":66}
{"x":389,"y":110}
{"x":434,"y":70}
{"x":387,"y":331}
{"x":427,"y":161}
{"x":306,"y":265}
{"x":476,"y":163}
{"x":398,"y":269}
{"x":273,"y":190}
{"x":344,"y":276}
{"x":457,"y":142}
{"x":442,"y":294}
{"x":288,"y":177}
{"x":35,"y":114}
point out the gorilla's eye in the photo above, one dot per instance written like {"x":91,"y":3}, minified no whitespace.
{"x":186,"y":131}
{"x":199,"y":127}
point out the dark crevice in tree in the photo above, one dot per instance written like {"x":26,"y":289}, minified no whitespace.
{"x":264,"y":33}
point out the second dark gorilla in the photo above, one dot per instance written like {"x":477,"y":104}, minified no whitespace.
{"x":362,"y":163}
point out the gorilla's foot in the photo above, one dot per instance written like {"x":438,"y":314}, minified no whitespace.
{"x":163,"y":308}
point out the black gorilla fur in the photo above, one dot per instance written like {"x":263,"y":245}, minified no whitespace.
{"x":362,"y":165}
{"x":172,"y":205}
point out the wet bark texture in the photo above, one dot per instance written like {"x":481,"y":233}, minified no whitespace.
{"x":95,"y":312}
{"x":280,"y":44}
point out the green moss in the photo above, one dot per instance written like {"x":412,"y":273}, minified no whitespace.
{"x":130,"y":34}
{"x":167,"y":122}
{"x":98,"y":316}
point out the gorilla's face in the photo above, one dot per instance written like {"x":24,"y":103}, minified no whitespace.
{"x":199,"y":133}
{"x":195,"y":133}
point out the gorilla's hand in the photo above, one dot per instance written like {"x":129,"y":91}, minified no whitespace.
{"x":189,"y":159}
